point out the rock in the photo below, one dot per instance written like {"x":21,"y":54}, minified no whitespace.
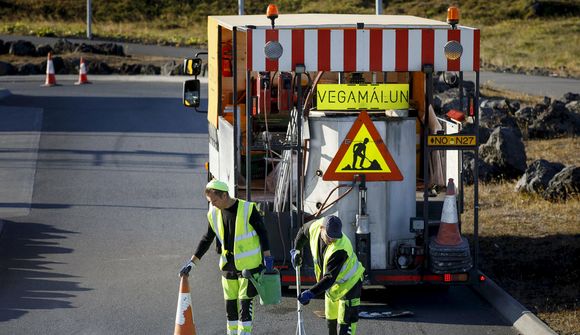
{"x":59,"y":65}
{"x":568,"y":97}
{"x":22,"y":48}
{"x":506,"y":152}
{"x":110,"y":49}
{"x":150,"y":69}
{"x":538,"y":176}
{"x":99,"y":68}
{"x":573,"y":106}
{"x":130,"y":69}
{"x":527,"y":114}
{"x":4,"y":47}
{"x":564,"y":185}
{"x":555,"y":121}
{"x":496,"y":117}
{"x":171,"y":68}
{"x":85,"y":48}
{"x":28,"y":69}
{"x":6,"y":69}
{"x":43,"y":50}
{"x":63,"y":46}
{"x":486,"y":171}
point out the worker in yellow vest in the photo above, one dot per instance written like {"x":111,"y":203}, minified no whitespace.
{"x":242,"y":241}
{"x":338,"y":272}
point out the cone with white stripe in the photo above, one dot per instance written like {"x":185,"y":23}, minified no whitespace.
{"x":184,"y":324}
{"x":82,"y":74}
{"x":448,"y":233}
{"x":50,"y":77}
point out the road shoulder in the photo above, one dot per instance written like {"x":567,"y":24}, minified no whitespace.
{"x":521,"y":318}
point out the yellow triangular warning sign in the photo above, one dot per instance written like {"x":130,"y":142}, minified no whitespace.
{"x":363,"y":152}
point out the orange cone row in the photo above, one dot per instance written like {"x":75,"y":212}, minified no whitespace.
{"x":51,"y":78}
{"x":184,"y":324}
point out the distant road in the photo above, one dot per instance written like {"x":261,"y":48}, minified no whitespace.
{"x":534,"y":85}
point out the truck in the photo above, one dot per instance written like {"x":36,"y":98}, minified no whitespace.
{"x":312,"y":115}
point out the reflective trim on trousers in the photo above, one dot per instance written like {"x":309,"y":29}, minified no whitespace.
{"x":232,"y":327}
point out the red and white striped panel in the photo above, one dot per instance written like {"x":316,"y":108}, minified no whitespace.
{"x":348,"y":50}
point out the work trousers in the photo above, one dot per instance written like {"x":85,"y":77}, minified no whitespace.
{"x":344,"y":312}
{"x":239,"y":294}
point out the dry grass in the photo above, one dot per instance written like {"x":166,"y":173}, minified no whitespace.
{"x":530,"y":246}
{"x":489,"y":91}
{"x":534,"y":43}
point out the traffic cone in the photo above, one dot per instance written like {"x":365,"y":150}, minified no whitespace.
{"x":82,"y":74}
{"x":184,"y":324}
{"x":448,"y":233}
{"x":50,"y":78}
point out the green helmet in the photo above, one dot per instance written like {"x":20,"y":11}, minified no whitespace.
{"x":217,"y":185}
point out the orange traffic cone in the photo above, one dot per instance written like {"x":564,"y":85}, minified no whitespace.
{"x":50,"y":78}
{"x":82,"y":74}
{"x":184,"y":324}
{"x":448,"y":229}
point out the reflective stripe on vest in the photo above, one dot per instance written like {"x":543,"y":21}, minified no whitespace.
{"x":349,"y":275}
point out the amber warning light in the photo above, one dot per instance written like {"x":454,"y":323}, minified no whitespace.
{"x":272,"y":13}
{"x":453,"y":16}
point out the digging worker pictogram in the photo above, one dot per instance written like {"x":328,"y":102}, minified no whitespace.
{"x":359,"y":150}
{"x":338,"y":272}
{"x":242,"y":239}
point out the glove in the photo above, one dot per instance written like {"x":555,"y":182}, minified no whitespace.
{"x":296,"y":258}
{"x":269,"y":263}
{"x":305,"y":297}
{"x":190,"y":265}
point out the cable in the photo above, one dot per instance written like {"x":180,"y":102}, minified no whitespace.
{"x":325,"y":206}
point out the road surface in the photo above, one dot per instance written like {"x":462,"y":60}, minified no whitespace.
{"x":116,"y":209}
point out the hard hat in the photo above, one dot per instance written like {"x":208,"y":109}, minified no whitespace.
{"x":217,"y":185}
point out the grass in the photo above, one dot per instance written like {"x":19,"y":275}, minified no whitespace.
{"x":530,"y":246}
{"x":527,"y":44}
{"x":512,"y":34}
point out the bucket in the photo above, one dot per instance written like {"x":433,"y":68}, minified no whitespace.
{"x":268,"y":285}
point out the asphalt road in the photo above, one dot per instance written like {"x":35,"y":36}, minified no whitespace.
{"x":533,"y":85}
{"x":117,"y":207}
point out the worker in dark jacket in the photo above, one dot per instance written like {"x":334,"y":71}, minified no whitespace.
{"x":242,"y":240}
{"x":338,"y":272}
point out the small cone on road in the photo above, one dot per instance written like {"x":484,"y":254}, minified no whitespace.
{"x":82,"y":74}
{"x":50,"y":77}
{"x":184,"y":324}
{"x":448,"y":233}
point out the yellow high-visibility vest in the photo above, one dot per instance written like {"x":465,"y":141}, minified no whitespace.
{"x":247,"y":251}
{"x":350,"y":273}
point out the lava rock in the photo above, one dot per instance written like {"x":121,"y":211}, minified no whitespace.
{"x":564,"y":185}
{"x":538,"y":176}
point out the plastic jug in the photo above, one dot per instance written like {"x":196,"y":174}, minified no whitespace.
{"x":268,"y":285}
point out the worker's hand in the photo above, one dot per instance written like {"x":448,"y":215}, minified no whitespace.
{"x":190,"y":265}
{"x":296,"y":258}
{"x":269,"y":263}
{"x":305,"y":297}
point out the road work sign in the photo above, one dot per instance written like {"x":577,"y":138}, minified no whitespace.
{"x":451,"y":141}
{"x":362,"y":97}
{"x":363,"y":152}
